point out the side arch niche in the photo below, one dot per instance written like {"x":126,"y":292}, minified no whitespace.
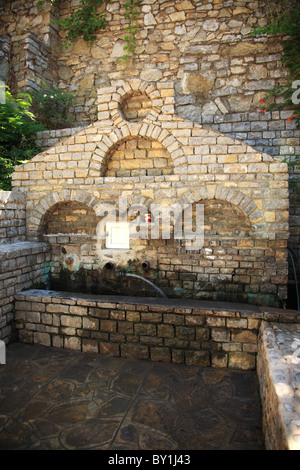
{"x":69,"y":217}
{"x":70,"y":229}
{"x":230,"y":264}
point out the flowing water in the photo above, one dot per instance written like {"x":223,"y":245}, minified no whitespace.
{"x":149,"y":282}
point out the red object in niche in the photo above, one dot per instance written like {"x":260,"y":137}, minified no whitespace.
{"x":147,"y":218}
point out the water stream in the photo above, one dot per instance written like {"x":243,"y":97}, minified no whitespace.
{"x":149,"y":282}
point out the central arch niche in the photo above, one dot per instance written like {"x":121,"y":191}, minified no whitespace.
{"x":138,"y":157}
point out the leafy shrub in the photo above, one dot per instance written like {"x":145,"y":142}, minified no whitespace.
{"x":18,"y":129}
{"x":51,"y":106}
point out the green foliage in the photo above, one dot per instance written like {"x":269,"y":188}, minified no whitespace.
{"x":287,"y":25}
{"x":132,"y":12}
{"x":51,"y":106}
{"x":18,"y":128}
{"x":86,"y":21}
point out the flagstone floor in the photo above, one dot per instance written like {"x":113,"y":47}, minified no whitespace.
{"x":52,"y":399}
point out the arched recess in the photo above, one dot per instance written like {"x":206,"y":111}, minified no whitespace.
{"x":138,"y":156}
{"x":134,"y":131}
{"x":71,"y":217}
{"x":131,"y":92}
{"x":223,"y":262}
{"x":236,"y":198}
{"x":136,"y":106}
{"x":50,"y":201}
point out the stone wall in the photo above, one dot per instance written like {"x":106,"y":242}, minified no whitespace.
{"x":35,"y":45}
{"x":219,"y":69}
{"x":220,"y":72}
{"x":5,"y":49}
{"x":46,"y":139}
{"x":206,"y":47}
{"x":157,"y":330}
{"x":39,"y":66}
{"x":277,"y":370}
{"x":12,"y":217}
{"x":249,"y":258}
{"x":22,"y":265}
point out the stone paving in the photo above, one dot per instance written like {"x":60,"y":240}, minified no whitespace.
{"x":52,"y":399}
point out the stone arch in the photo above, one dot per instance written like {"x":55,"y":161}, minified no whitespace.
{"x":123,"y":91}
{"x":137,"y":156}
{"x":137,"y":130}
{"x":234,"y":197}
{"x":53,"y":198}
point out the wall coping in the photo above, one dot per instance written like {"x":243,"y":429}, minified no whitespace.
{"x":268,"y":314}
{"x":278,"y":370}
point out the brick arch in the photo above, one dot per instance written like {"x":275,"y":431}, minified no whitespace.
{"x":117,"y":95}
{"x":149,"y":90}
{"x":47,"y":202}
{"x":137,"y":130}
{"x":234,"y":197}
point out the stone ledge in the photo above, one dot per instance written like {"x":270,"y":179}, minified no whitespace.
{"x":21,"y":248}
{"x":190,"y":332}
{"x":278,"y":368}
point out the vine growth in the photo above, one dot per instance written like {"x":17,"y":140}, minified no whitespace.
{"x":288,"y":25}
{"x":87,"y":20}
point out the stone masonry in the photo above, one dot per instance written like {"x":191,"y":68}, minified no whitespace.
{"x":206,"y":334}
{"x":220,"y":72}
{"x":22,"y":264}
{"x":205,"y":166}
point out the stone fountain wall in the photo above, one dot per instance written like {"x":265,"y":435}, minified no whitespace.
{"x":220,"y":72}
{"x":163,"y":159}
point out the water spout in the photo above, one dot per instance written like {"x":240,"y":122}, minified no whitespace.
{"x":149,"y":282}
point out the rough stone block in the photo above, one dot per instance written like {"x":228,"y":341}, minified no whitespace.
{"x":240,"y":360}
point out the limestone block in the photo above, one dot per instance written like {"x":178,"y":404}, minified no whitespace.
{"x":240,"y":10}
{"x":149,"y":20}
{"x":178,"y":16}
{"x":243,"y":49}
{"x":211,"y":25}
{"x":72,"y":321}
{"x":151,"y":75}
{"x":185,"y":5}
{"x":240,"y":360}
{"x":118,"y":50}
{"x":72,"y":342}
{"x":196,"y":83}
{"x":42,"y":338}
{"x":257,"y":72}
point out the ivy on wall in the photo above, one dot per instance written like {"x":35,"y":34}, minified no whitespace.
{"x":288,"y":93}
{"x":87,"y":20}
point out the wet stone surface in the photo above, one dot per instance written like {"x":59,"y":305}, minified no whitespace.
{"x":60,"y":399}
